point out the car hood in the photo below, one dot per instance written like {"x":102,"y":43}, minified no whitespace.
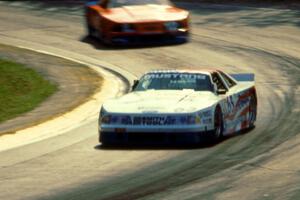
{"x":145,"y":13}
{"x":161,"y":101}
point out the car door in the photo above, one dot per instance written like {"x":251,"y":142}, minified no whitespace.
{"x":236,"y":104}
{"x":223,"y":98}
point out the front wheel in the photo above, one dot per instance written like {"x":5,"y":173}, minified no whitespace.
{"x":218,"y":125}
{"x":91,"y":31}
{"x":94,"y":33}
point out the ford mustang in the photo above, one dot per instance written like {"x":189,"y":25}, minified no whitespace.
{"x":136,"y":21}
{"x":180,"y":106}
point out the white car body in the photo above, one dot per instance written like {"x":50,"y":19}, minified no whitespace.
{"x":177,"y":113}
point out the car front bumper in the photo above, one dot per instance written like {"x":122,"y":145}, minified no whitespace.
{"x":148,"y":38}
{"x":167,"y":136}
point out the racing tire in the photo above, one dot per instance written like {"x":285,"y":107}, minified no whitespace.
{"x":252,"y":111}
{"x":91,"y":31}
{"x":94,"y":33}
{"x":99,"y":35}
{"x":218,"y":125}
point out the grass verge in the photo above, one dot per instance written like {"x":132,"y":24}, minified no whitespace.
{"x":21,"y":89}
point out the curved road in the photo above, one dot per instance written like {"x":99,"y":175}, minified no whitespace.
{"x":260,"y":164}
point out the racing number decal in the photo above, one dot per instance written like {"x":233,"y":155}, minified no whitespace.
{"x":230,"y":104}
{"x":237,"y":111}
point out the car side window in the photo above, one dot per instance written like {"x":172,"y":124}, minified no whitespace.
{"x":228,"y":80}
{"x":218,"y":81}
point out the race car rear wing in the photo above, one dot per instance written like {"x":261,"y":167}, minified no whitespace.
{"x":243,"y":77}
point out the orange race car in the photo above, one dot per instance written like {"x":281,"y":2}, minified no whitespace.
{"x":136,"y":21}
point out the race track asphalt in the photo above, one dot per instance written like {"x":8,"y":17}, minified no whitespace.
{"x":260,"y":164}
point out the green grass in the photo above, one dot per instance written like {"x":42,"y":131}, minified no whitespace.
{"x":21,"y":89}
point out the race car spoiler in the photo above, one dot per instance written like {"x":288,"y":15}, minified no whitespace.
{"x":243,"y":77}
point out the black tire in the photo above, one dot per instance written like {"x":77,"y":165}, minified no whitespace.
{"x":94,"y":33}
{"x":252,"y":111}
{"x":218,"y":125}
{"x":99,"y":35}
{"x":90,"y":31}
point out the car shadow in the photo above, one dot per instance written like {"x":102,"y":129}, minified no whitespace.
{"x":97,"y":44}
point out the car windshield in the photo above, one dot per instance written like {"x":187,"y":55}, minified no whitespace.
{"x":120,"y":3}
{"x":175,"y":81}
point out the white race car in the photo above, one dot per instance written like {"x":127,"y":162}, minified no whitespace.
{"x":180,"y":106}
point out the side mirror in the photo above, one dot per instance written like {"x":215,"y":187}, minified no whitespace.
{"x":221,"y":91}
{"x":135,"y":83}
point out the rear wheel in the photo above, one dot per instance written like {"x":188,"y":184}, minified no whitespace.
{"x":252,"y":111}
{"x":218,"y":124}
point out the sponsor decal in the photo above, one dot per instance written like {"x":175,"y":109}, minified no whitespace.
{"x":176,"y":76}
{"x":149,"y":120}
{"x":204,"y":114}
{"x":234,"y":103}
{"x":233,"y":109}
{"x":242,"y":103}
{"x":238,"y":121}
{"x":160,"y":120}
{"x":207,"y":121}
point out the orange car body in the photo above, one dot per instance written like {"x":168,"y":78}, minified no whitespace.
{"x":124,"y":24}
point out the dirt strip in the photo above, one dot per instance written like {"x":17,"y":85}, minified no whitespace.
{"x":76,"y":84}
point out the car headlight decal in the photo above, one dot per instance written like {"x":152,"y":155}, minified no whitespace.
{"x":172,"y":26}
{"x":107,"y":119}
{"x":206,"y":116}
{"x":128,"y":28}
